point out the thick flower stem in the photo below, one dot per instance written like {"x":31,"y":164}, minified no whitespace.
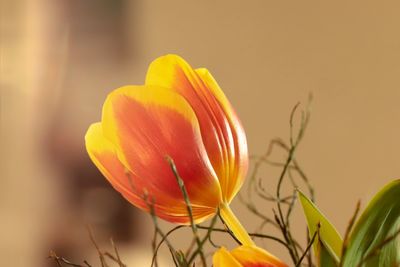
{"x":234,"y":225}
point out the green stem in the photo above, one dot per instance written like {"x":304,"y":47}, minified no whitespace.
{"x":234,"y":225}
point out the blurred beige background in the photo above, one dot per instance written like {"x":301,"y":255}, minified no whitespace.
{"x":59,"y":59}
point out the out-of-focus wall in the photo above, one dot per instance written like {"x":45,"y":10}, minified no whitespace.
{"x":23,"y":196}
{"x":59,"y":60}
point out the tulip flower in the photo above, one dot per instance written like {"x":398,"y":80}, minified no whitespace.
{"x":245,"y":256}
{"x":180,"y":113}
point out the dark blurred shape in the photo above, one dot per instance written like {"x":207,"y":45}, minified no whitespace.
{"x":88,"y":192}
{"x":99,"y":24}
{"x":95,"y":41}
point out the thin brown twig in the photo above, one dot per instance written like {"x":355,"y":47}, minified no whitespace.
{"x":190,"y":248}
{"x":55,"y":257}
{"x":293,"y":166}
{"x":308,"y":246}
{"x":157,"y":229}
{"x":227,"y":230}
{"x":164,"y":239}
{"x":113,"y":258}
{"x":118,"y":258}
{"x":250,"y":234}
{"x":206,"y":237}
{"x":154,"y":245}
{"x":189,"y":208}
{"x":294,"y":142}
{"x":60,"y":260}
{"x":101,"y":255}
{"x":309,"y":256}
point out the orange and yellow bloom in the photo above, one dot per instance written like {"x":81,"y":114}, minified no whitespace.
{"x":245,"y":256}
{"x":181,"y":113}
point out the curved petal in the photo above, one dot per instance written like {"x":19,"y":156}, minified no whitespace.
{"x":104,"y":155}
{"x":252,"y":256}
{"x":223,"y":258}
{"x":221,"y":132}
{"x":245,"y":256}
{"x":147,"y":123}
{"x":241,"y":160}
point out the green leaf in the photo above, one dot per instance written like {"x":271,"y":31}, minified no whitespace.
{"x":380,"y":220}
{"x":324,"y":257}
{"x":329,"y":247}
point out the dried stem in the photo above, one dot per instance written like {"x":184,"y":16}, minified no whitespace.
{"x":308,"y":246}
{"x":160,"y":232}
{"x":294,"y":142}
{"x":101,"y":255}
{"x":60,"y":260}
{"x":154,"y":246}
{"x":163,"y":239}
{"x":206,"y":237}
{"x":189,"y":209}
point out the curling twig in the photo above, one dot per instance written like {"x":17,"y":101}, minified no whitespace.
{"x":101,"y":255}
{"x":189,"y":208}
{"x":60,"y":260}
{"x":308,"y":246}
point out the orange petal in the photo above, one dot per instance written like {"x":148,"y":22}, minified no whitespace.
{"x":147,"y":123}
{"x":104,"y":155}
{"x":245,"y":256}
{"x":223,"y":258}
{"x":252,"y":256}
{"x":241,"y":160}
{"x":221,"y":132}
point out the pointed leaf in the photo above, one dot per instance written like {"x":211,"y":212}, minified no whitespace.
{"x":324,"y":257}
{"x":328,"y":234}
{"x":380,"y":220}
